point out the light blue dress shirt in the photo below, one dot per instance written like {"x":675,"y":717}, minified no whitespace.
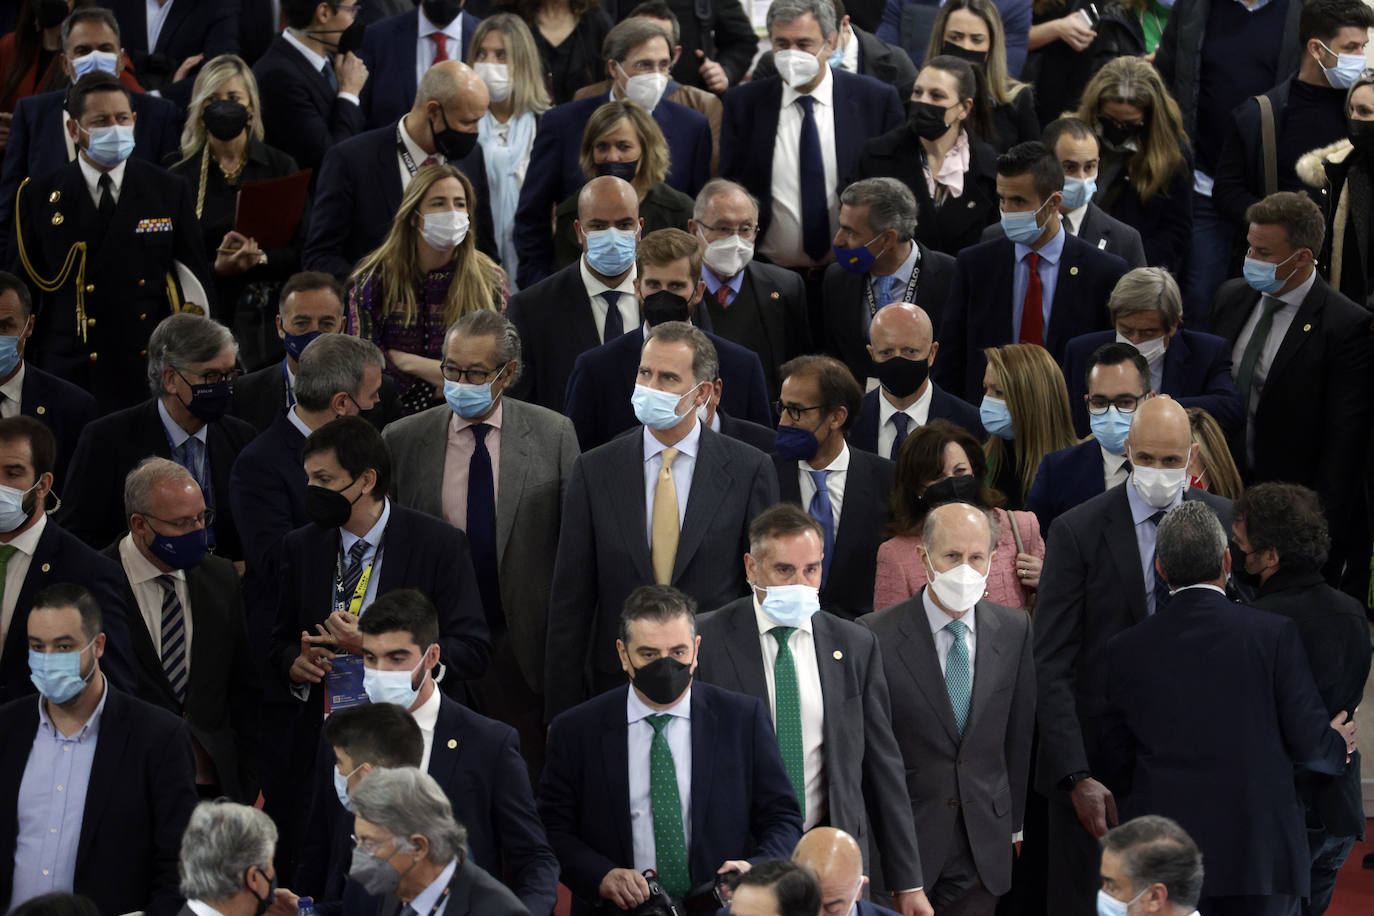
{"x":1145,"y":531}
{"x":1050,"y":255}
{"x":373,"y":553}
{"x":427,"y":898}
{"x":683,"y":466}
{"x":714,"y":283}
{"x":639,"y":741}
{"x":902,"y":276}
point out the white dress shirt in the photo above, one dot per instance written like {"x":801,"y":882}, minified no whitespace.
{"x":1073,"y":219}
{"x":639,"y":743}
{"x":836,"y":472}
{"x":12,"y":393}
{"x":417,"y":155}
{"x":201,"y":908}
{"x":802,"y":643}
{"x":1283,"y":320}
{"x":156,"y":15}
{"x":1115,"y":468}
{"x":683,"y":466}
{"x":783,"y":243}
{"x":851,"y":53}
{"x":426,"y":715}
{"x":92,"y":176}
{"x":16,"y":571}
{"x":628,"y":304}
{"x":143,"y":576}
{"x":425,"y":48}
{"x":317,"y":61}
{"x":1145,"y":533}
{"x":944,"y":639}
{"x":919,"y":412}
{"x":433,"y":896}
{"x":372,"y":555}
{"x":293,"y":416}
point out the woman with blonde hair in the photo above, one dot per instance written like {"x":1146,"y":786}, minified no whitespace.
{"x":1025,"y":410}
{"x":972,"y":30}
{"x":426,"y":275}
{"x":568,"y":35}
{"x":1212,"y":468}
{"x":503,"y":54}
{"x":1145,"y":174}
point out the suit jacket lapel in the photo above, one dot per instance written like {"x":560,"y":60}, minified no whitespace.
{"x":615,"y":769}
{"x":14,"y":655}
{"x":106,"y":768}
{"x":629,"y":505}
{"x":429,"y":464}
{"x":320,"y":566}
{"x":789,"y":484}
{"x":745,"y":652}
{"x":849,"y":133}
{"x":1119,"y":533}
{"x":515,"y":463}
{"x":710,"y":482}
{"x":1228,"y":322}
{"x":1309,"y":314}
{"x":703,"y":751}
{"x":443,"y":757}
{"x":922,"y":663}
{"x":986,"y":653}
{"x":1175,"y":359}
{"x":768,"y":127}
{"x":390,"y":175}
{"x":830,"y":662}
{"x":176,"y":16}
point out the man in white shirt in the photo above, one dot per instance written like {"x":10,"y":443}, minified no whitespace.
{"x":226,"y":863}
{"x":1150,"y":861}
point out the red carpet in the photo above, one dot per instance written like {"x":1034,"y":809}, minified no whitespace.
{"x":1355,"y":886}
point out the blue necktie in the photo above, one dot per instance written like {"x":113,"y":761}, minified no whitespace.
{"x":481,"y":525}
{"x":822,"y":512}
{"x":902,"y":421}
{"x":614,"y":326}
{"x":1161,"y":587}
{"x":191,"y":455}
{"x":884,"y":295}
{"x":814,"y":212}
{"x":353,"y":573}
{"x":958,"y":674}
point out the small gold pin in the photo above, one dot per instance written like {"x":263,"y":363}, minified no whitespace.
{"x":1073,"y":271}
{"x":54,"y":197}
{"x":57,"y":219}
{"x":1306,"y":328}
{"x":972,"y":204}
{"x":774,"y":295}
{"x":47,"y":567}
{"x":41,"y":410}
{"x":452,"y":743}
{"x":838,"y":655}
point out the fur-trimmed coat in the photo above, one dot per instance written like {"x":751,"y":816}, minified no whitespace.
{"x":1325,"y":171}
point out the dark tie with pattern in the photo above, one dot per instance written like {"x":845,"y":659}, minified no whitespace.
{"x":1162,"y":595}
{"x":173,"y":637}
{"x":814,"y":212}
{"x":353,"y":573}
{"x":481,"y":525}
{"x":902,"y":421}
{"x":614,"y":325}
{"x":822,"y":511}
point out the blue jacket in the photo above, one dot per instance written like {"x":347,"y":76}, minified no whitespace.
{"x":389,"y":52}
{"x":1066,"y":478}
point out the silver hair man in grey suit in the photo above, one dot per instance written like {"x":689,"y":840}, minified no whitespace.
{"x":496,"y":468}
{"x":226,"y":863}
{"x":965,"y":736}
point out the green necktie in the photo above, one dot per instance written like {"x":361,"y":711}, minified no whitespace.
{"x":1245,"y":375}
{"x":787,"y":714}
{"x":670,"y":846}
{"x":958,"y":678}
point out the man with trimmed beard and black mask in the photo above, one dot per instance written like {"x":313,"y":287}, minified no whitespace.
{"x":694,"y":786}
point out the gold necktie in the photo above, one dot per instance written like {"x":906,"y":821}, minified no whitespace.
{"x":663,"y":548}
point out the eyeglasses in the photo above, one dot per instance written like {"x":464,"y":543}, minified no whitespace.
{"x":794,"y":411}
{"x":204,"y":520}
{"x":1126,"y":404}
{"x":471,"y":376}
{"x":745,"y":231}
{"x":368,"y":846}
{"x":212,"y":377}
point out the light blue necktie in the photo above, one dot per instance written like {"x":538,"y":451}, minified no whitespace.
{"x":822,"y":512}
{"x":885,"y":287}
{"x":958,"y":677}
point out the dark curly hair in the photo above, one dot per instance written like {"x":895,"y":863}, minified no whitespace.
{"x":1288,"y":519}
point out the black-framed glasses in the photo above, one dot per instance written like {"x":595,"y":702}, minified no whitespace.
{"x":205,"y":519}
{"x":478,"y":376}
{"x":795,"y":411}
{"x":745,"y":231}
{"x":1124,"y":403}
{"x":212,"y":377}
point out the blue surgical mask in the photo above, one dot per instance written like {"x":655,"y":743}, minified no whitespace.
{"x":107,"y":61}
{"x":295,"y":344}
{"x":836,"y":58}
{"x":1347,"y":70}
{"x":1107,"y":905}
{"x":1263,"y":275}
{"x":1078,"y":191}
{"x":610,"y":252}
{"x":468,"y":400}
{"x":790,"y":605}
{"x":1110,"y":429}
{"x":996,"y":417}
{"x":1022,"y":227}
{"x":856,"y":260}
{"x":341,"y":787}
{"x":9,"y":354}
{"x":12,"y":511}
{"x":657,"y":409}
{"x":794,"y":443}
{"x":392,"y":686}
{"x":182,"y":551}
{"x":110,"y":145}
{"x":57,"y":675}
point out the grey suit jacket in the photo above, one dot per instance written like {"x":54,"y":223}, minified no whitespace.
{"x":603,"y":550}
{"x":982,"y":773}
{"x":860,"y":750}
{"x":538,"y":448}
{"x":1098,"y":227}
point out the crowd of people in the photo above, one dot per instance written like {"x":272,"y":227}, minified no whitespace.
{"x":358,"y":361}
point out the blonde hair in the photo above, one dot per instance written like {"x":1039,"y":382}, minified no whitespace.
{"x":1134,"y":82}
{"x":653,"y":148}
{"x":212,"y":78}
{"x":395,"y":267}
{"x":1039,"y":405}
{"x":527,"y":91}
{"x":1000,"y":84}
{"x":1223,"y":478}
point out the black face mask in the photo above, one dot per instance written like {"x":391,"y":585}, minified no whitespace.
{"x":329,"y":508}
{"x":441,"y":12}
{"x":1361,"y":135}
{"x":663,"y":680}
{"x":209,"y":402}
{"x":963,"y":489}
{"x":225,"y":119}
{"x":454,"y":145}
{"x":927,"y":120}
{"x":665,"y":306}
{"x":901,"y":376}
{"x":51,"y":13}
{"x":264,"y":903}
{"x":349,"y":40}
{"x":1117,"y":134}
{"x":977,"y":58}
{"x":622,"y":170}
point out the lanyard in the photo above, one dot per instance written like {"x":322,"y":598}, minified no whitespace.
{"x":406,"y":159}
{"x":353,"y":603}
{"x":907,"y":296}
{"x":286,"y":383}
{"x":442,"y":897}
{"x":199,"y":471}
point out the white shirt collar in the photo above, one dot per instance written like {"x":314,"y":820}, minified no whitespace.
{"x":636,"y":709}
{"x":1219,"y":591}
{"x":175,"y":433}
{"x":595,"y":287}
{"x":1110,"y":460}
{"x":938,"y":619}
{"x":1075,"y":217}
{"x":840,"y":464}
{"x":416,"y":153}
{"x":14,"y":388}
{"x":1295,"y":296}
{"x":766,"y":623}
{"x":92,"y":175}
{"x":919,"y":411}
{"x":294,"y":417}
{"x":27,"y":541}
{"x":426,"y":715}
{"x":687,"y":445}
{"x":139,"y":568}
{"x":317,"y":61}
{"x":851,"y":53}
{"x":453,"y":30}
{"x":201,"y":908}
{"x":824,"y":93}
{"x":426,"y":900}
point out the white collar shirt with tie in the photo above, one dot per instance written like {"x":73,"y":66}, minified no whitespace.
{"x":92,"y":176}
{"x":12,"y":393}
{"x":682,"y":468}
{"x":1115,"y":468}
{"x":783,"y":243}
{"x":639,"y":745}
{"x":836,"y":473}
{"x":1283,"y":320}
{"x":626,"y":302}
{"x":143,"y":579}
{"x":918,"y":412}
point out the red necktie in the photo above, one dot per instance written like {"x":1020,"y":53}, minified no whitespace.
{"x":440,"y":46}
{"x":1032,"y":311}
{"x":723,"y":296}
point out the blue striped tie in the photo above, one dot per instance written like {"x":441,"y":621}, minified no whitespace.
{"x":173,"y":637}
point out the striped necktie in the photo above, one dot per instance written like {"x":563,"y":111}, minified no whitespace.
{"x":173,"y":637}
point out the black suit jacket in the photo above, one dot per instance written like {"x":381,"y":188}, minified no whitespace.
{"x":211,"y":29}
{"x":554,"y":318}
{"x":772,"y":302}
{"x":722,"y":30}
{"x":388,"y":49}
{"x":943,"y":406}
{"x":1067,"y":477}
{"x":742,"y":805}
{"x":884,"y":62}
{"x":1100,"y":230}
{"x":865,"y":512}
{"x":760,"y":437}
{"x":471,"y":892}
{"x":603,"y":550}
{"x":260,"y":398}
{"x":979,"y":312}
{"x":865,"y":781}
{"x":223,"y":690}
{"x":301,"y":114}
{"x":60,"y":406}
{"x":111,"y":447}
{"x":140,"y":796}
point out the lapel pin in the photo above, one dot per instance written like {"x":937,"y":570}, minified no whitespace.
{"x":838,"y":655}
{"x":774,"y":295}
{"x":1306,"y":328}
{"x":57,"y":219}
{"x":41,"y":410}
{"x":1073,"y":271}
{"x":47,"y":567}
{"x":971,"y":205}
{"x":452,"y":743}
{"x":54,"y":197}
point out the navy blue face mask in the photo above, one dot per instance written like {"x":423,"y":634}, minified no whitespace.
{"x":295,"y":344}
{"x":181,"y":551}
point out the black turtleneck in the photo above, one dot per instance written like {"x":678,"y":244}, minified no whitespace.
{"x":1313,"y":118}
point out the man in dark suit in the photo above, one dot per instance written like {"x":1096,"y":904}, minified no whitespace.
{"x":35,"y":552}
{"x":1191,"y":367}
{"x":838,"y":863}
{"x":756,"y":305}
{"x":130,"y":765}
{"x":1175,"y":676}
{"x":635,"y":47}
{"x":715,"y":42}
{"x":1042,"y":286}
{"x":965,"y":738}
{"x":1076,"y":147}
{"x":362,"y":180}
{"x":1098,"y":580}
{"x":186,"y":618}
{"x":1283,"y":533}
{"x":614,"y":797}
{"x":822,"y":678}
{"x":882,"y":264}
{"x":845,"y":490}
{"x":1304,"y":365}
{"x":191,"y":367}
{"x":399,"y":47}
{"x":221,"y":835}
{"x":863,"y":53}
{"x":313,"y":80}
{"x":114,"y":245}
{"x":668,"y":287}
{"x":1151,"y":859}
{"x":164,"y":52}
{"x":669,"y":502}
{"x":901,"y":352}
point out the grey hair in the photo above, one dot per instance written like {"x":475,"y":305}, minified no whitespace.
{"x":182,"y":339}
{"x":88,"y":14}
{"x":890,"y":203}
{"x":1147,"y":289}
{"x":930,"y":527}
{"x":713,"y":189}
{"x":1157,"y":850}
{"x":491,"y":323}
{"x":705,"y":362}
{"x":630,"y":34}
{"x":222,"y":841}
{"x":332,"y":363}
{"x":786,"y":11}
{"x":1190,"y":544}
{"x":406,"y":802}
{"x":143,"y":479}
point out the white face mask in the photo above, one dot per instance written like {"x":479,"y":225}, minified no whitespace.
{"x":445,"y":230}
{"x":497,"y":78}
{"x":797,"y":68}
{"x":645,"y":89}
{"x":1152,"y":350}
{"x":727,"y":257}
{"x":1159,"y":486}
{"x":959,"y":588}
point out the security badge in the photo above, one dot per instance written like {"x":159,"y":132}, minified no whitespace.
{"x":155,"y":224}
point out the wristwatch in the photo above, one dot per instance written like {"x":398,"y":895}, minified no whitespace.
{"x":1073,"y":779}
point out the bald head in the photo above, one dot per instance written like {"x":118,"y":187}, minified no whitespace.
{"x":450,"y":97}
{"x":838,"y":862}
{"x":447,"y":80}
{"x":899,"y":328}
{"x":958,"y":533}
{"x":1160,"y":436}
{"x":609,"y":200}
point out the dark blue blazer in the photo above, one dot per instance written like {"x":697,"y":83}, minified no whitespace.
{"x":864,"y":108}
{"x":1197,"y":373}
{"x":603,"y":379}
{"x":943,"y":406}
{"x":62,"y":407}
{"x":555,"y":173}
{"x":763,"y":438}
{"x":978,"y":313}
{"x":357,"y":194}
{"x":742,"y":805}
{"x":1067,"y":477}
{"x":300,"y":112}
{"x":389,"y":52}
{"x":211,"y":29}
{"x":554,"y":318}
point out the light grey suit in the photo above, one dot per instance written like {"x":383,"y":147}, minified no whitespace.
{"x":538,"y":448}
{"x":982,"y":773}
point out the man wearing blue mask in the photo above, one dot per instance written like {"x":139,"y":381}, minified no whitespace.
{"x":1038,"y":284}
{"x":808,"y":666}
{"x":1152,"y":865}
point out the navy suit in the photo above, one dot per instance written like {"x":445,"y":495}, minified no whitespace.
{"x":763,"y":438}
{"x":211,"y":29}
{"x":1197,"y":373}
{"x":389,"y":52}
{"x":60,"y":406}
{"x":742,"y":806}
{"x":260,"y":398}
{"x":943,"y":406}
{"x":358,"y":193}
{"x":555,"y":172}
{"x":603,"y":379}
{"x":1067,"y":477}
{"x":554,"y":318}
{"x":302,"y":114}
{"x":978,"y":314}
